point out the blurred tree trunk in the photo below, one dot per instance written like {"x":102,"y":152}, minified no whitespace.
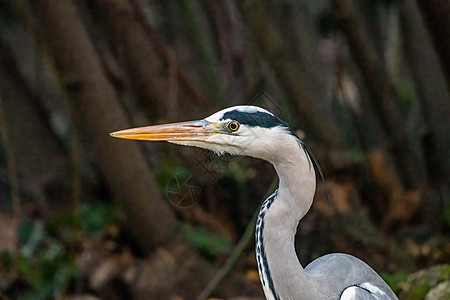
{"x":399,"y":204}
{"x":431,"y":87}
{"x":153,"y":69}
{"x":97,"y":113}
{"x":41,"y":161}
{"x":437,"y":16}
{"x":298,"y":26}
{"x":272,"y":43}
{"x":363,"y":52}
{"x":135,"y":51}
{"x":376,"y":14}
{"x":199,"y":37}
{"x":189,"y":85}
{"x":230,"y":39}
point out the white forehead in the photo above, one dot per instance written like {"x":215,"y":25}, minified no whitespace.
{"x":216,"y":117}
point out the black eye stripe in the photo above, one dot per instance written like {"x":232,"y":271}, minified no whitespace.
{"x":254,"y":119}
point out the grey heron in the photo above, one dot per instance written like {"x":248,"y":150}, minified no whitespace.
{"x":255,"y":132}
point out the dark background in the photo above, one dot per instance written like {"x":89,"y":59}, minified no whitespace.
{"x":83,"y":215}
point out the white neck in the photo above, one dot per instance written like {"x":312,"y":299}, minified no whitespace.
{"x":279,"y":220}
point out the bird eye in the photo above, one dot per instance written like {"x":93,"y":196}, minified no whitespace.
{"x":233,"y":125}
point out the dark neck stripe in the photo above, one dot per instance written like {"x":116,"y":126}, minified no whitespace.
{"x":261,"y":257}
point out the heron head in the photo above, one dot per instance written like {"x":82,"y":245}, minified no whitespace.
{"x":239,"y":130}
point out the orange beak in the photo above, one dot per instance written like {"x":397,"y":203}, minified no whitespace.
{"x":182,"y":131}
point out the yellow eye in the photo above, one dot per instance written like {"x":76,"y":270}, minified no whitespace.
{"x":233,"y":125}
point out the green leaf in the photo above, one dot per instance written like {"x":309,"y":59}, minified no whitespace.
{"x":207,"y":243}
